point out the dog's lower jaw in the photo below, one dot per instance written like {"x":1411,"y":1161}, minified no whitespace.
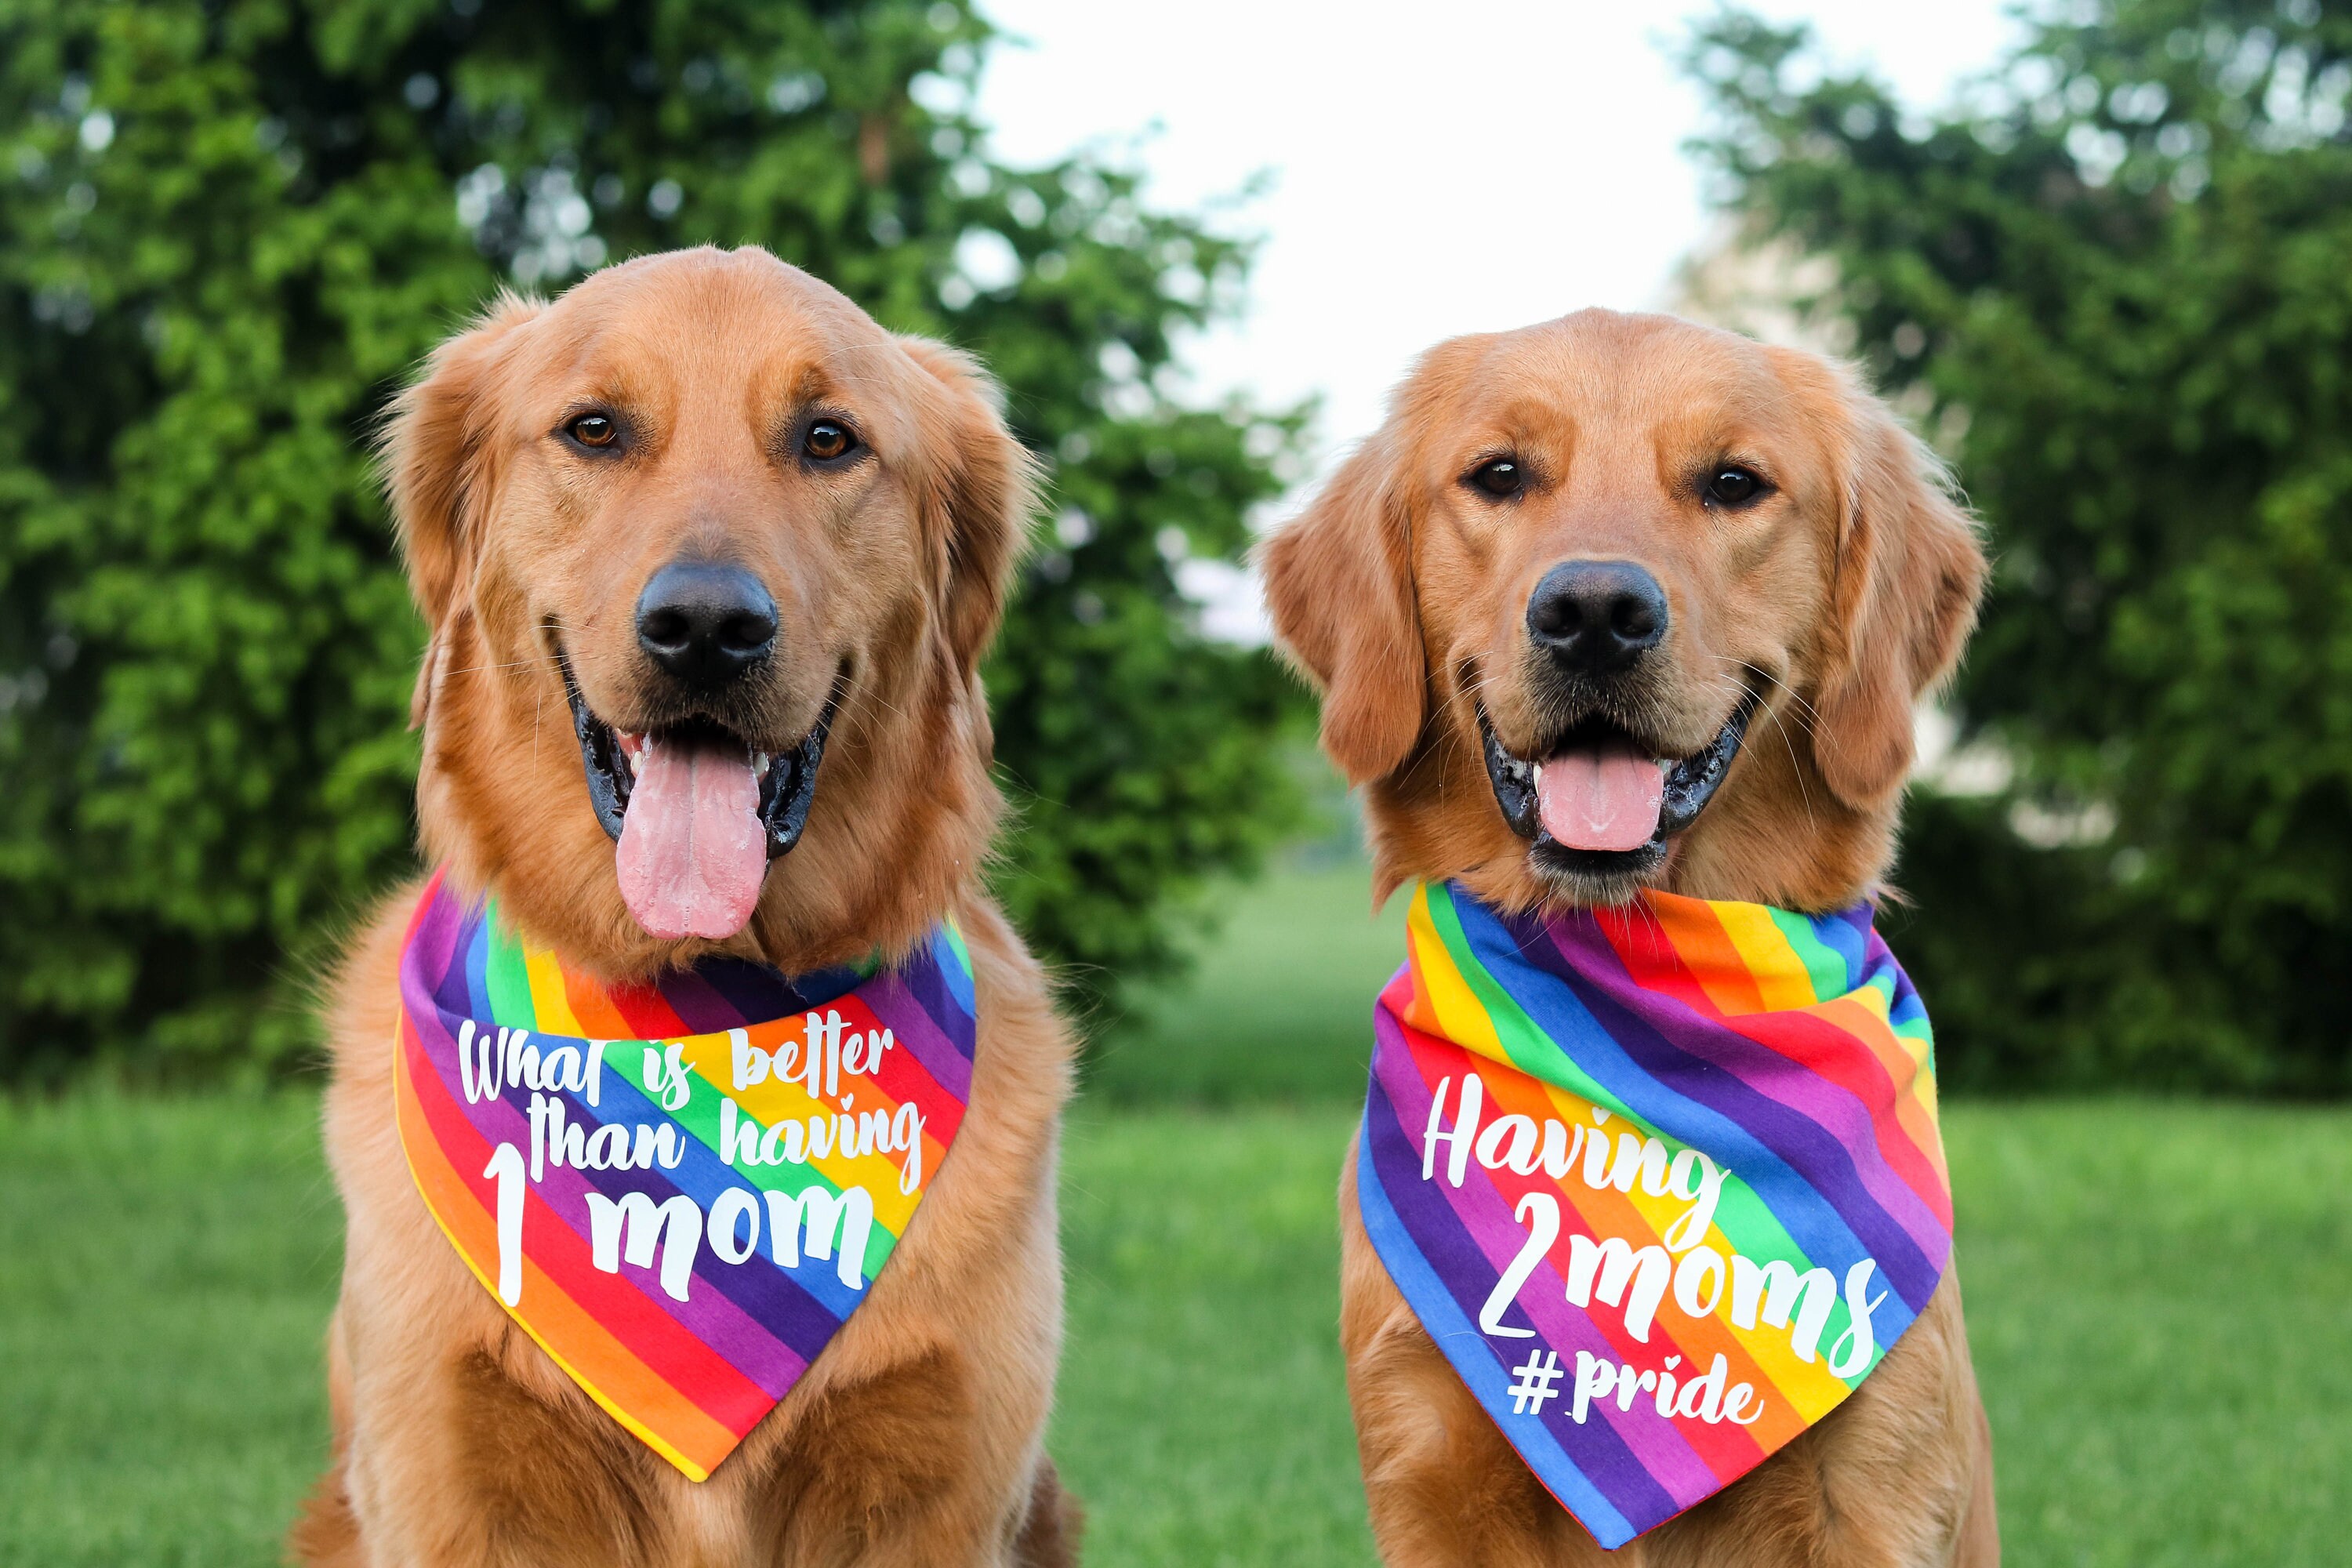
{"x":1598,"y":879}
{"x":1601,"y":878}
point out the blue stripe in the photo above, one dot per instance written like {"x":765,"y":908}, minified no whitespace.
{"x":954,"y":975}
{"x":1851,"y":942}
{"x":702,"y":1176}
{"x":475,"y":1002}
{"x":1565,"y":1017}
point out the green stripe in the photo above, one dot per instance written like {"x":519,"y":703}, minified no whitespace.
{"x":1824,"y":967}
{"x":1530,"y":1050}
{"x":508,"y":981}
{"x":955,"y":945}
{"x":1744,"y":1220}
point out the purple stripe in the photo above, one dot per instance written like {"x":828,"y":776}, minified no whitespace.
{"x":1703,"y":1049}
{"x":436,"y":950}
{"x":1646,"y":1450}
{"x":729,"y":993}
{"x":915,"y":1028}
{"x":699,"y":1006}
{"x":755,"y":1315}
{"x":926,"y":983}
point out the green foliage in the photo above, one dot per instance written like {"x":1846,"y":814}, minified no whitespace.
{"x":2114,"y":280}
{"x":229,"y":229}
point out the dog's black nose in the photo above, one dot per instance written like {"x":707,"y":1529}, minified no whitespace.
{"x":1597,"y":616}
{"x":706,"y":623}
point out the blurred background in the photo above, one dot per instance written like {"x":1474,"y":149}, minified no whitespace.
{"x":2099,"y":251}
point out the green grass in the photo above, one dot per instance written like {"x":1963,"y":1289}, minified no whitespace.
{"x":2161,"y":1305}
{"x":1204,"y":1414}
{"x":2159,"y":1296}
{"x":165,"y":1272}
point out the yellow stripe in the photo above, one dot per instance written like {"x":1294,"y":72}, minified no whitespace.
{"x":711,"y":1057}
{"x":1781,"y":979}
{"x":1460,"y":1017}
{"x":548,"y":999}
{"x":1807,"y":1386}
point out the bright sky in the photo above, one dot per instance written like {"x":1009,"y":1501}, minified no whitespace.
{"x":1438,"y":169}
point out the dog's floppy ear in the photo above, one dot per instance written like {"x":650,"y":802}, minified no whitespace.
{"x":1908,"y":572}
{"x":431,"y":455}
{"x":980,"y":498}
{"x":1339,"y":583}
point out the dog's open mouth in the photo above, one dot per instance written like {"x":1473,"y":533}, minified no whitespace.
{"x":1598,"y":803}
{"x":697,"y":812}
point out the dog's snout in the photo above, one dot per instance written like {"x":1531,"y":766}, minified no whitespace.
{"x":706,"y":623}
{"x":1597,"y":616}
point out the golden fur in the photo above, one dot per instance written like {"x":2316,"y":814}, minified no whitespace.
{"x":917,"y":1439}
{"x":1838,"y":599}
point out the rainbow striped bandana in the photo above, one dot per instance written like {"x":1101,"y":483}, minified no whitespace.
{"x":680,"y":1190}
{"x":1662,"y":1182}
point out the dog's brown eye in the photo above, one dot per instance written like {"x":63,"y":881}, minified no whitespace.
{"x":825,"y":441}
{"x":1499,"y":478}
{"x":593,"y":429}
{"x":1734,"y":486}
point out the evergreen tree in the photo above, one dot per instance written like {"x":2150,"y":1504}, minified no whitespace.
{"x":228,"y":231}
{"x":2116,"y":283}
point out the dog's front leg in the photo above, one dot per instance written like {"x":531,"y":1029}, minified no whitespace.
{"x":897,"y":1469}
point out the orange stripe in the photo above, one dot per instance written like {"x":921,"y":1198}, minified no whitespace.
{"x":1918,"y":1123}
{"x":1707,"y":950}
{"x":1902,"y":1147}
{"x":675,"y":1353}
{"x":592,"y":1005}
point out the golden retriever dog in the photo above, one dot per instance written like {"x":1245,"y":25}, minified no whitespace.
{"x":1590,"y":543}
{"x":703,"y":511}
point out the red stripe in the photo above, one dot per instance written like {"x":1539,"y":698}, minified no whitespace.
{"x":1652,"y":962}
{"x":902,"y":1077}
{"x":1729,"y":1451}
{"x":595,"y":1358}
{"x":1845,"y":1060}
{"x":648,"y":1016}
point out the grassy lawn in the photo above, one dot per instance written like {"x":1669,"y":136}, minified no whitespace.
{"x":2157,"y":1295}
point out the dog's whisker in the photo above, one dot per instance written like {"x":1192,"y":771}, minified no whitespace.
{"x":1794,"y":695}
{"x":508,"y":664}
{"x":1804,"y":790}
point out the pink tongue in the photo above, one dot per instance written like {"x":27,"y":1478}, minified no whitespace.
{"x":1606,"y":799}
{"x":692,"y":849}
